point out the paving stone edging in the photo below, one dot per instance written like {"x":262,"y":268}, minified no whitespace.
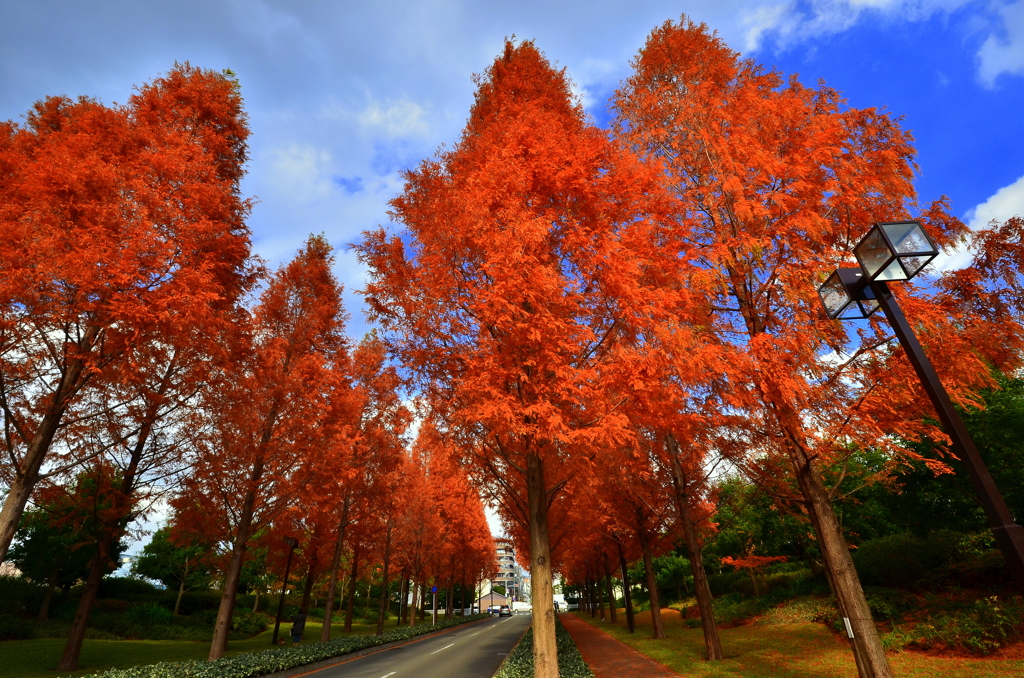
{"x":343,"y":658}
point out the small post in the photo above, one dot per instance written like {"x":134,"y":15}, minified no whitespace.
{"x":433,"y":590}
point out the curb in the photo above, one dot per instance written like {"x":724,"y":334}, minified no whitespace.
{"x":305,"y":669}
{"x":505,"y":660}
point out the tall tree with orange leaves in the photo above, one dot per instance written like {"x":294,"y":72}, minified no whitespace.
{"x":271,"y":412}
{"x":774,"y":183}
{"x":518,"y":272}
{"x":117,"y":224}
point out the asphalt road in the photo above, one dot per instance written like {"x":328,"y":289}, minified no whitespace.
{"x":475,"y":651}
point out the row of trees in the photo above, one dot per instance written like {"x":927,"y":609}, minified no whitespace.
{"x":146,"y":356}
{"x":601,"y":318}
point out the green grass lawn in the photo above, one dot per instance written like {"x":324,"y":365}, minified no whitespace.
{"x":38,"y":658}
{"x":790,"y":650}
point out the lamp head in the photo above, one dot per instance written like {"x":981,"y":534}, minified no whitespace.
{"x":895,"y":250}
{"x":846,"y":295}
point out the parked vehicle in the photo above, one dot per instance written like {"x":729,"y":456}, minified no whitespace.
{"x":504,"y":611}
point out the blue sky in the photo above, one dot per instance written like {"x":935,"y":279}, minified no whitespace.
{"x":343,"y":95}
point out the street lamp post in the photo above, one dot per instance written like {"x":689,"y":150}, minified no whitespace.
{"x":898,"y":251}
{"x":292,"y":545}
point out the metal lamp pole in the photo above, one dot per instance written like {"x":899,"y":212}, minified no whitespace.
{"x":898,"y":251}
{"x":1008,"y":535}
{"x":292,"y":544}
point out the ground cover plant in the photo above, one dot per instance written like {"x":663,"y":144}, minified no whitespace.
{"x":519,"y":663}
{"x":250,"y":664}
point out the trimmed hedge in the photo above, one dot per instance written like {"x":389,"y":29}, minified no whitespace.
{"x":261,"y":663}
{"x":519,"y":663}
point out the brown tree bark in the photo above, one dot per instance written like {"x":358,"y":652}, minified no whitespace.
{"x":26,"y":473}
{"x":307,"y":590}
{"x":73,"y":648}
{"x":385,"y":599}
{"x":222,"y":627}
{"x":545,"y":652}
{"x":403,"y":593}
{"x":701,"y":588}
{"x":44,"y":609}
{"x":350,"y":605}
{"x":412,"y":600}
{"x":652,"y":587}
{"x":339,"y":545}
{"x":612,"y":613}
{"x":630,"y":619}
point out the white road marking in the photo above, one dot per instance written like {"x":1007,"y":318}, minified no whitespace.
{"x":388,"y":674}
{"x":443,"y":648}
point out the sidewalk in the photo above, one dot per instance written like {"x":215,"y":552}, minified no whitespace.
{"x":607,"y":657}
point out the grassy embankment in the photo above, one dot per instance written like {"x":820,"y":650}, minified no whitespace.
{"x":38,"y":658}
{"x":789,"y":646}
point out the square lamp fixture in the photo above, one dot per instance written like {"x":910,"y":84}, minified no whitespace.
{"x":846,"y":295}
{"x":896,"y":250}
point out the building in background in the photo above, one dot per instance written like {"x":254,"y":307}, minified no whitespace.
{"x":509,"y":574}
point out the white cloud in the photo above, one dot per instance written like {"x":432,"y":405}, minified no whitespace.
{"x":396,"y":119}
{"x":1007,"y":202}
{"x":791,"y":22}
{"x":301,"y":173}
{"x":1004,"y":53}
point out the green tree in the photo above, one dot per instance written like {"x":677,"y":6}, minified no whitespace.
{"x":49,"y":550}
{"x":174,"y":563}
{"x":57,"y":540}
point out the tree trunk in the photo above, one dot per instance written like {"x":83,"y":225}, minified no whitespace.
{"x":412,"y":602}
{"x":73,"y":648}
{"x":307,"y":590}
{"x":352,"y":590}
{"x":222,"y":627}
{"x":612,"y":614}
{"x":545,"y":652}
{"x":26,"y":474}
{"x":701,"y":588}
{"x":652,"y":590}
{"x":385,"y":599}
{"x":255,"y":602}
{"x":111,"y":529}
{"x":44,"y":609}
{"x":325,"y":632}
{"x":853,"y":606}
{"x":181,"y":594}
{"x":597,"y":594}
{"x":627,"y":596}
{"x":403,"y":594}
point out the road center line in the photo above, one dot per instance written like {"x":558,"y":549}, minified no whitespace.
{"x":435,"y":652}
{"x":388,"y":674}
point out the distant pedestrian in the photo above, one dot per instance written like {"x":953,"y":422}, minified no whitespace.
{"x":298,"y":626}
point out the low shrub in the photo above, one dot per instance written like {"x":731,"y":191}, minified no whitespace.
{"x":13,"y":628}
{"x":983,"y":628}
{"x":908,"y":561}
{"x":519,"y":663}
{"x":20,"y":595}
{"x":128,"y":588}
{"x":733,"y":608}
{"x":150,"y":614}
{"x":260,"y":663}
{"x":248,"y":623}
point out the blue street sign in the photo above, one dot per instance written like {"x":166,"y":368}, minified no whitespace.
{"x":433,"y":589}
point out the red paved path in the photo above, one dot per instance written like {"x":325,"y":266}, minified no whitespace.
{"x":607,"y":657}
